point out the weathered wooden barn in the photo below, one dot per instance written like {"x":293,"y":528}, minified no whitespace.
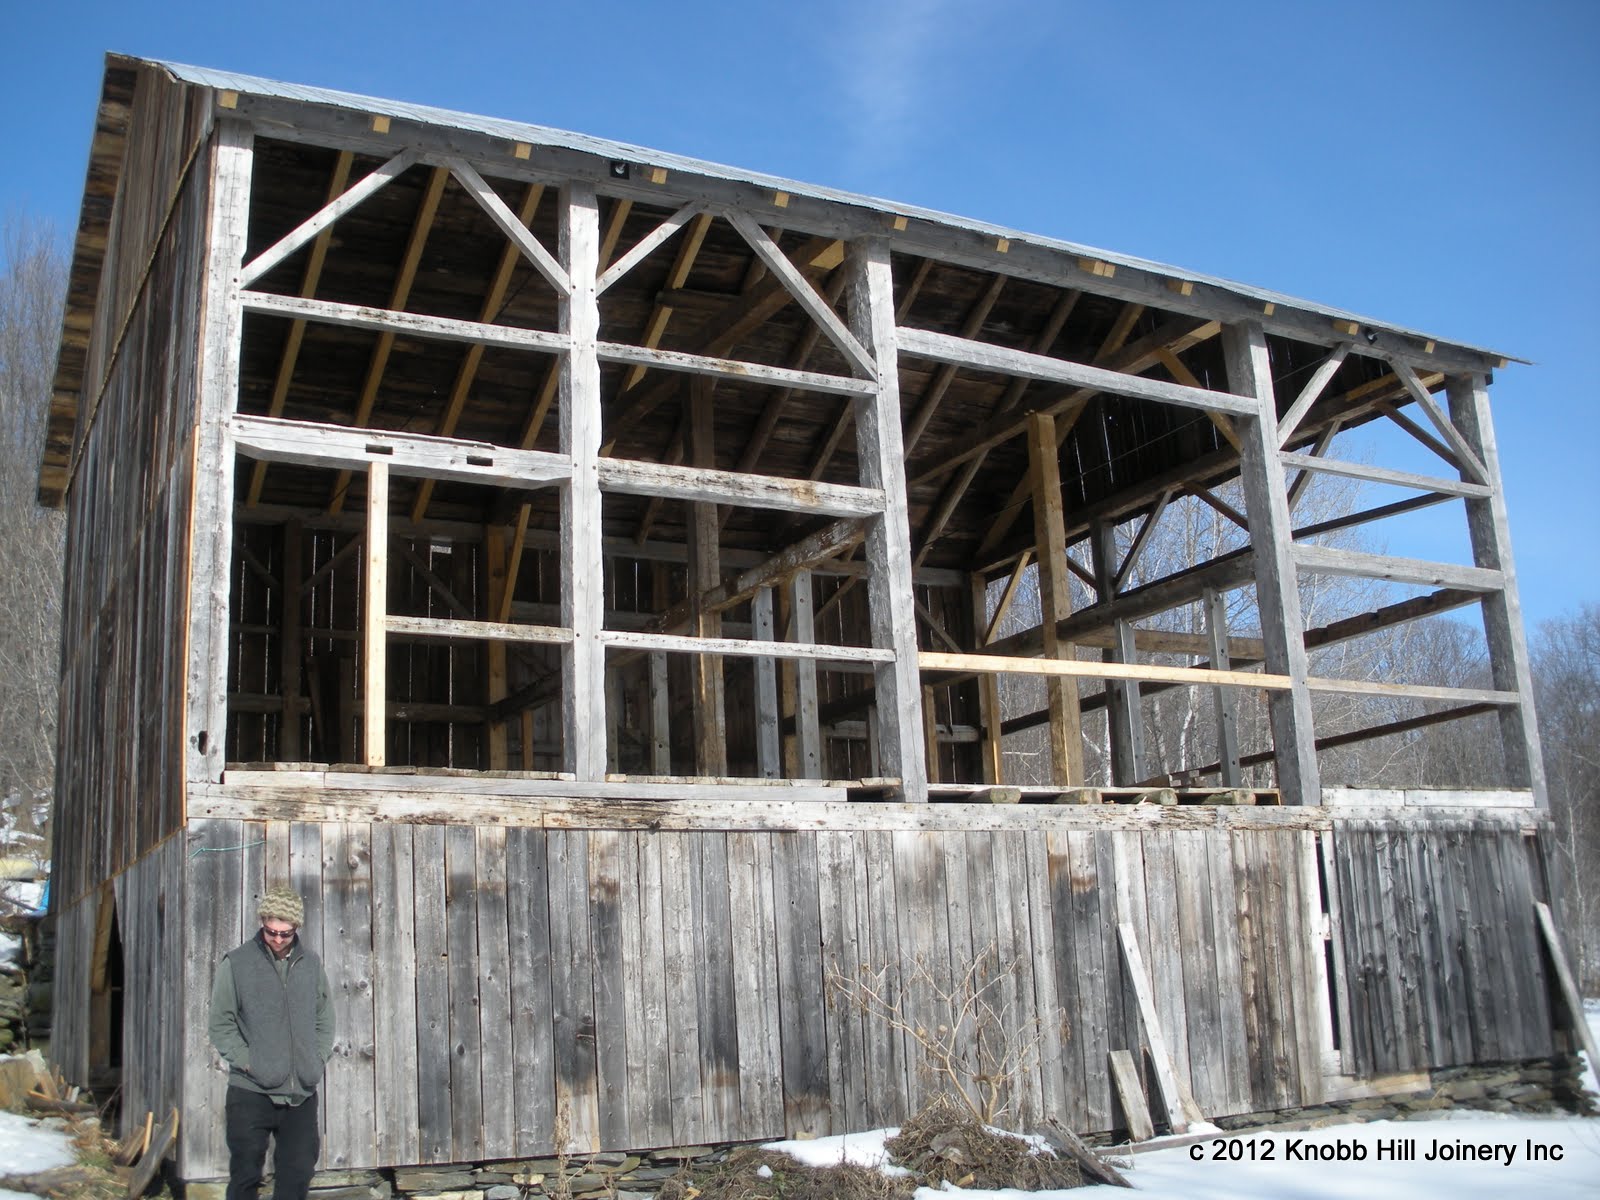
{"x":582,"y":572}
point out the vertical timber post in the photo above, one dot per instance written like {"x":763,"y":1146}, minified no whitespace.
{"x":583,"y":660}
{"x":898,"y":683}
{"x":1216,"y":606}
{"x":988,"y":685}
{"x":1123,"y":708}
{"x":1490,"y":533}
{"x":1277,"y":590}
{"x":1055,"y":598}
{"x":374,"y":652}
{"x":705,"y":573}
{"x":211,"y":513}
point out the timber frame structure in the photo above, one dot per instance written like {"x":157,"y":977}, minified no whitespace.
{"x":577,"y":570}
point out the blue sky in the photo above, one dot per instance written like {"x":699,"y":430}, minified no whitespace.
{"x":1432,"y":164}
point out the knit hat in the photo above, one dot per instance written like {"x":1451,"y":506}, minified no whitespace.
{"x":282,"y":904}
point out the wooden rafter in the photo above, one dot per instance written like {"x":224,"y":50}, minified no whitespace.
{"x":467,"y":371}
{"x":511,"y":225}
{"x":297,"y":328}
{"x":379,"y":361}
{"x":1010,"y":402}
{"x":928,"y":402}
{"x":646,"y":245}
{"x":719,"y":333}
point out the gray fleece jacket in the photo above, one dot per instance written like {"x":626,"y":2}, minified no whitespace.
{"x":272,"y":1019}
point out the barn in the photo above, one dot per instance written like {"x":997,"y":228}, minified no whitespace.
{"x":609,"y":587}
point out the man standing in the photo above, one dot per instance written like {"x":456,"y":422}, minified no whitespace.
{"x":272,"y":1020}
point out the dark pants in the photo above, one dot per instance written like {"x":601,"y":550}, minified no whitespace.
{"x":252,"y":1119}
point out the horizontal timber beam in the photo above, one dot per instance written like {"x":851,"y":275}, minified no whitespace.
{"x":1325,"y":560}
{"x":386,"y":320}
{"x":737,"y":369}
{"x":1425,"y":483}
{"x":272,"y":439}
{"x":930,"y":660}
{"x":493,"y":631}
{"x":743,"y":647}
{"x":708,"y":486}
{"x":981,"y":356}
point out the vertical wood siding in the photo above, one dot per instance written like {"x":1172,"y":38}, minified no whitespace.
{"x":1441,"y":954}
{"x":119,"y":782}
{"x":640,"y":988}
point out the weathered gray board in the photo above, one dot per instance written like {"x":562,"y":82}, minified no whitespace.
{"x":649,"y":988}
{"x":670,"y":987}
{"x":1440,"y":944}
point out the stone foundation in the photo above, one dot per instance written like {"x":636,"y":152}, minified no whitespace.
{"x":1539,"y":1086}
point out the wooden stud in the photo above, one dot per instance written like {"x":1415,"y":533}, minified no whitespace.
{"x":1348,"y":328}
{"x":769,"y":742}
{"x":1124,"y":711}
{"x":658,"y":174}
{"x":899,"y":224}
{"x":522,"y":150}
{"x":374,"y":649}
{"x":380,"y":124}
{"x":1055,"y":597}
{"x":1182,"y":287}
{"x":1268,"y":309}
{"x":378,"y":361}
{"x":705,"y":574}
{"x":500,"y":588}
{"x":1003,"y":245}
{"x":780,"y":199}
{"x":1216,"y":615}
{"x":227,"y":99}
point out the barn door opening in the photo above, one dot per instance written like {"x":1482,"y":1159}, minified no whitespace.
{"x":105,"y":998}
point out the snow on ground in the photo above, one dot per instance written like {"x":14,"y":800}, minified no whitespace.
{"x":28,"y":1145}
{"x":1463,"y":1155}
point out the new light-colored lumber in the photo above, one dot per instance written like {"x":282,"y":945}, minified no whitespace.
{"x":934,"y":660}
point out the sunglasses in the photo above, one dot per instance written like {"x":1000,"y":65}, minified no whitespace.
{"x":277,"y":934}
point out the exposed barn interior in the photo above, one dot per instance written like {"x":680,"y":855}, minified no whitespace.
{"x":570,"y":565}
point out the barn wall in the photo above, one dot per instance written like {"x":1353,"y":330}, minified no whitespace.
{"x":118,"y":789}
{"x":149,"y":899}
{"x":654,"y":988}
{"x":1442,"y":961}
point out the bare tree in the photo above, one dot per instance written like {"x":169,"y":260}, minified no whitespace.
{"x":33,"y":277}
{"x":1567,"y":683}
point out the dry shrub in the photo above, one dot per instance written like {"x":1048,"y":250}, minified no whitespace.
{"x":943,"y":1141}
{"x":737,"y":1179}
